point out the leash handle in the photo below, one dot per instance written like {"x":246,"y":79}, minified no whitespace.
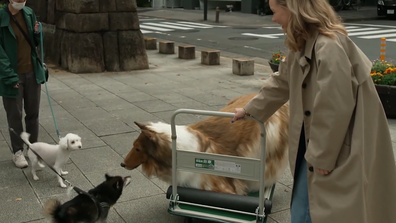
{"x":45,"y":83}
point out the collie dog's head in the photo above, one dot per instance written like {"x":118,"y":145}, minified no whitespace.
{"x":151,"y":149}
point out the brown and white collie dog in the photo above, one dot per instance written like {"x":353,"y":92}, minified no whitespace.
{"x":152,"y":149}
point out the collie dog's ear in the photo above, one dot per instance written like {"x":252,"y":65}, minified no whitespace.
{"x":150,"y":135}
{"x":140,"y":125}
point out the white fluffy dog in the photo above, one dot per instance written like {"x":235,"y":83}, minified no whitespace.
{"x":54,"y":155}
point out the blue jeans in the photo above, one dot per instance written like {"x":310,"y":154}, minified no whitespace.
{"x":300,"y":204}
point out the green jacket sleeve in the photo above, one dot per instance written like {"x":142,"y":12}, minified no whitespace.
{"x":7,"y":74}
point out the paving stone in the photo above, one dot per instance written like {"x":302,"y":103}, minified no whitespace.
{"x":154,"y":207}
{"x":1,"y":136}
{"x":100,"y":160}
{"x":171,"y":97}
{"x":77,"y":102}
{"x":114,"y":104}
{"x":286,"y":178}
{"x":210,"y":99}
{"x":156,"y":88}
{"x":161,"y":184}
{"x":281,"y":198}
{"x":87,"y":114}
{"x":136,"y":96}
{"x":121,"y":143}
{"x":118,"y":87}
{"x":138,"y":115}
{"x":11,"y":175}
{"x":155,"y":106}
{"x":225,"y":93}
{"x":19,"y":203}
{"x":63,"y":94}
{"x":65,"y":124}
{"x":281,"y":216}
{"x":48,"y":185}
{"x":5,"y":152}
{"x":107,"y":126}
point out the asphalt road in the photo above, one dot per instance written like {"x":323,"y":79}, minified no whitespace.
{"x":261,"y":42}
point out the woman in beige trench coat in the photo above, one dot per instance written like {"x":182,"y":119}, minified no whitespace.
{"x":343,"y":166}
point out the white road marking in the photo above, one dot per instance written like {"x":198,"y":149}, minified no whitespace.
{"x":167,"y":26}
{"x":155,"y":28}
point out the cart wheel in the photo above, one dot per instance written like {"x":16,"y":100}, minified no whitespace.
{"x":188,"y":220}
{"x":267,"y":206}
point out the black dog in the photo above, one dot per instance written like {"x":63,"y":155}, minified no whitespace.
{"x":88,"y":207}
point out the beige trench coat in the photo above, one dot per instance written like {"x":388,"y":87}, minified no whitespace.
{"x":331,"y":91}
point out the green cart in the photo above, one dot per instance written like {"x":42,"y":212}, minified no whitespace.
{"x":218,"y":207}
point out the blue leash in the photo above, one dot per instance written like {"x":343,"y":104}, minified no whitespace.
{"x":45,"y":82}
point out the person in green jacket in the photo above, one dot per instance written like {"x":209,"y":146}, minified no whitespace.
{"x":21,"y":73}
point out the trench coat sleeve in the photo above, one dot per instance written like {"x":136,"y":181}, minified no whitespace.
{"x":272,"y":95}
{"x":333,"y":105}
{"x":7,"y":74}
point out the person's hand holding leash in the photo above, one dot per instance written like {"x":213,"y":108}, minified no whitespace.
{"x":36,"y":27}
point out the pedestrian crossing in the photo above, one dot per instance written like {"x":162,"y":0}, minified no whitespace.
{"x":361,"y":31}
{"x":157,"y":25}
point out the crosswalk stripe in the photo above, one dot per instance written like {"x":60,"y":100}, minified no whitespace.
{"x":145,"y":31}
{"x":351,"y":27}
{"x":155,"y":28}
{"x":150,"y":19}
{"x":362,"y":29}
{"x":372,"y":32}
{"x":270,"y":36}
{"x":391,"y":40}
{"x":185,"y":25}
{"x":200,"y":24}
{"x":167,"y":26}
{"x":379,"y":36}
{"x":372,"y":25}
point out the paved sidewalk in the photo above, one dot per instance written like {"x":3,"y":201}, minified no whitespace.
{"x":101,"y":108}
{"x":244,"y":19}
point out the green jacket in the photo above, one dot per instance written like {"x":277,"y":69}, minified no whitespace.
{"x":8,"y":53}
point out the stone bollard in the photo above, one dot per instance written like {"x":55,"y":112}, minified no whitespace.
{"x":167,"y":47}
{"x":186,"y":52}
{"x":210,"y":57}
{"x":242,"y":66}
{"x":151,"y":43}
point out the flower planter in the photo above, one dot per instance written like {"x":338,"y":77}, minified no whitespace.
{"x":274,"y":67}
{"x":387,"y":95}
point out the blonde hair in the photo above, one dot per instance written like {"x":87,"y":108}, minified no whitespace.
{"x":306,"y":16}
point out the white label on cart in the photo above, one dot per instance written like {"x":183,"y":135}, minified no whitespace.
{"x":227,"y":166}
{"x":218,"y":165}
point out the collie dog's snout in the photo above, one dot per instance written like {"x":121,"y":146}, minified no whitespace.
{"x":122,"y":165}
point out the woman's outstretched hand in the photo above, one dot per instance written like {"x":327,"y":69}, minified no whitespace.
{"x":239,"y":114}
